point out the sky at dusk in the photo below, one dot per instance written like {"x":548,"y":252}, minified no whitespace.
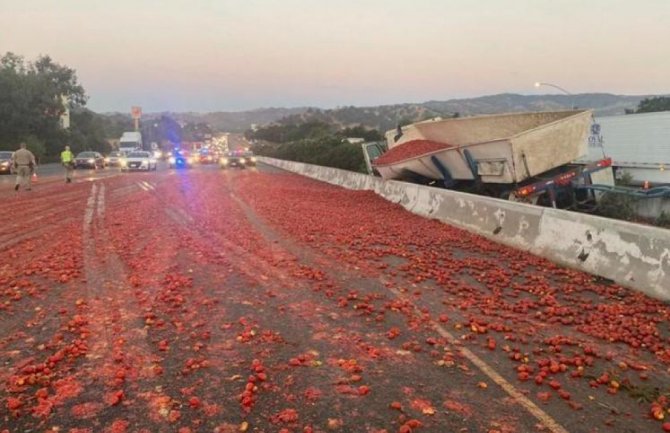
{"x":228,"y":55}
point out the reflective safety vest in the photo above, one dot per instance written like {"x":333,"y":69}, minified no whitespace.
{"x":66,"y":156}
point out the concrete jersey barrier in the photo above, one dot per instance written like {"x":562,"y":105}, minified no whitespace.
{"x":632,"y":255}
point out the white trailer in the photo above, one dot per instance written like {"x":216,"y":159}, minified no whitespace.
{"x":639,"y":144}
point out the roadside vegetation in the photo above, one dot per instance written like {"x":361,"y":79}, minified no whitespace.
{"x":652,"y":105}
{"x":624,"y":207}
{"x":33,"y":97}
{"x":314,"y":142}
{"x":617,"y":206}
{"x":663,"y":220}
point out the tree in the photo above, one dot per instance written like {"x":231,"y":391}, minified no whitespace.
{"x":33,"y":96}
{"x":285,"y":131}
{"x":361,"y":131}
{"x":88,"y":131}
{"x":326,"y":151}
{"x":657,"y":103}
{"x":314,"y":142}
{"x":169,"y":130}
{"x":116,"y":124}
{"x":196,"y":131}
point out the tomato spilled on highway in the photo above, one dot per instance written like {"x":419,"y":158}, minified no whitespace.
{"x":253,"y":301}
{"x":410,"y":149}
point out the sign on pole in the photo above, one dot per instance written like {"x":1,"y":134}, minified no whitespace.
{"x":136,"y":112}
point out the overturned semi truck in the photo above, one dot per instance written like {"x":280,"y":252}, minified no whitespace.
{"x":526,"y":157}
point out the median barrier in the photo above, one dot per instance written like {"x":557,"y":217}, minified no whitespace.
{"x":633,"y":255}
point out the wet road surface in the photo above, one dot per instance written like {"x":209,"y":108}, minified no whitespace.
{"x":255,"y":300}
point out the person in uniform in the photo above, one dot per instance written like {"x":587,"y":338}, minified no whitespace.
{"x":67,"y":159}
{"x":24,"y":164}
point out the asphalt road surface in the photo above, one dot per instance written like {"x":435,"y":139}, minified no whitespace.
{"x":55,"y":172}
{"x":254,"y":300}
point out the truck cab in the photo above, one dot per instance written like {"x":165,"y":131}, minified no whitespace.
{"x":372,"y":151}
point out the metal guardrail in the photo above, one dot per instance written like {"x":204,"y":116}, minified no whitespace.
{"x":657,"y":192}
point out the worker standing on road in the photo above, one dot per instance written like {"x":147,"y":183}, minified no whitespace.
{"x":24,"y":164}
{"x":67,"y":158}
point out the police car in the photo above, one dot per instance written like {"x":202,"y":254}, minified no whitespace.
{"x":180,"y":159}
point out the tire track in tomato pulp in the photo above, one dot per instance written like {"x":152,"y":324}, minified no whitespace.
{"x":330,"y":235}
{"x":43,"y":342}
{"x":121,"y":360}
{"x":314,"y":258}
{"x":254,"y":263}
{"x":267,"y":310}
{"x":247,"y":259}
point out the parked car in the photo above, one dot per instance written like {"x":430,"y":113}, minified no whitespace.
{"x":89,"y":159}
{"x":114,"y":159}
{"x":6,"y":162}
{"x":139,"y":161}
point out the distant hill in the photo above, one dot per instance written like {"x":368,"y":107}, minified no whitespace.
{"x":381,"y":117}
{"x":385,"y":117}
{"x":388,"y":116}
{"x":234,"y":121}
{"x":604,"y":104}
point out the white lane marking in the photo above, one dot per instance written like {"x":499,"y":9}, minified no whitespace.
{"x":148,"y":185}
{"x":90,"y":207}
{"x":141,"y":185}
{"x":491,"y":373}
{"x":101,"y":176}
{"x":101,"y":201}
{"x":550,"y":423}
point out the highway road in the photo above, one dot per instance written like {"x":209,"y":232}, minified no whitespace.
{"x":51,"y":173}
{"x":255,"y":300}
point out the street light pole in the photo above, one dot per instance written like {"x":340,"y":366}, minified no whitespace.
{"x":540,"y":84}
